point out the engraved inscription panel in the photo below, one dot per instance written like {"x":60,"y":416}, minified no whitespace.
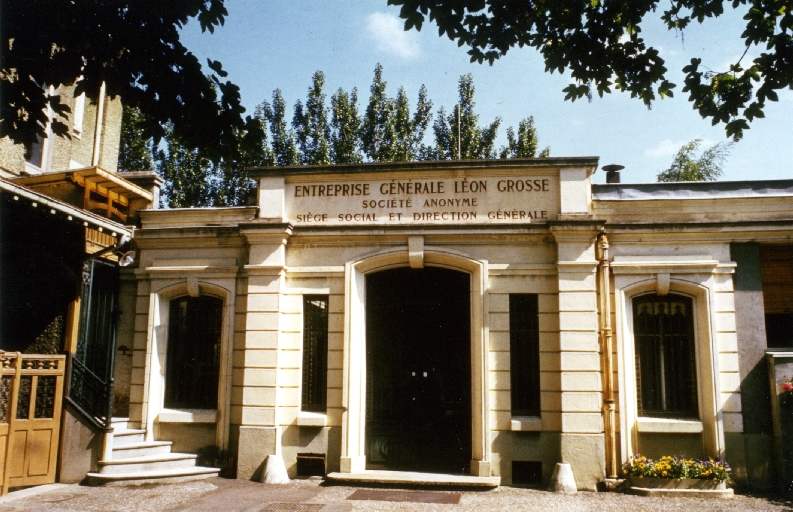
{"x":424,"y":200}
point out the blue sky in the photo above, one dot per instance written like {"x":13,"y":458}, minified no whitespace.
{"x":279,"y":44}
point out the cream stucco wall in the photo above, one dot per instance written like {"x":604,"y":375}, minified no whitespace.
{"x":261,"y":262}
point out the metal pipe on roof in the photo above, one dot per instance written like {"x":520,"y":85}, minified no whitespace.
{"x":100,"y":114}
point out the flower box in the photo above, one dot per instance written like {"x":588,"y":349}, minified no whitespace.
{"x":649,"y":482}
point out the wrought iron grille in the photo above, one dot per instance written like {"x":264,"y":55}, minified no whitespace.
{"x":315,"y":353}
{"x":666,"y":376}
{"x":193,"y":355}
{"x":91,"y":379}
{"x":524,"y":353}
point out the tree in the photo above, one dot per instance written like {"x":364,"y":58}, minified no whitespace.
{"x":388,"y":131}
{"x":377,"y":127}
{"x":708,"y":167}
{"x":284,"y":144}
{"x":311,"y":125}
{"x":189,"y":176}
{"x":524,"y":145}
{"x":475,"y":141}
{"x":600,"y":44}
{"x":135,"y":152}
{"x":409,"y":131}
{"x":345,"y":125}
{"x":133,"y":48}
{"x":233,"y":185}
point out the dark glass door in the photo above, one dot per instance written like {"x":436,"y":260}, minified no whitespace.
{"x":418,"y":351}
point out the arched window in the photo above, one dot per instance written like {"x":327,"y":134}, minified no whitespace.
{"x":193,"y":359}
{"x":666,"y":372}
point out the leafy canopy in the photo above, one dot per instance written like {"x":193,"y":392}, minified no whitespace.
{"x":599,"y":42}
{"x":131,"y":46}
{"x":473,"y":141}
{"x":387,"y":131}
{"x":686,"y":167}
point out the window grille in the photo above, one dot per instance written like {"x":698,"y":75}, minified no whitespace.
{"x":524,"y":351}
{"x":665,"y":357}
{"x":315,"y":353}
{"x":193,"y":363}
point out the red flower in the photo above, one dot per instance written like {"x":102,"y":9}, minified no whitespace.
{"x":787,"y":386}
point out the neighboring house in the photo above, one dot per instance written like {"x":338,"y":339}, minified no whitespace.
{"x":95,"y":132}
{"x":489,"y":318}
{"x":65,"y":215}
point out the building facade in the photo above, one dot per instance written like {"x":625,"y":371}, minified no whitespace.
{"x":488,"y":318}
{"x":94,"y":138}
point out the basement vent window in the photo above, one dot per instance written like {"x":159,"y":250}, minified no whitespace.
{"x":527,"y":472}
{"x":310,"y":464}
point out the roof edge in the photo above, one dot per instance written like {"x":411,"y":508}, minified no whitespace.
{"x":376,"y":167}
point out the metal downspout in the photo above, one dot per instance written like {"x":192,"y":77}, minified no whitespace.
{"x":606,"y":336}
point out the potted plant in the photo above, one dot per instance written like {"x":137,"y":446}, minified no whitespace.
{"x":676,"y":472}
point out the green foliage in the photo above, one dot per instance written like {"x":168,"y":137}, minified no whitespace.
{"x":318,"y":135}
{"x":676,"y":467}
{"x":188,"y":175}
{"x":600,"y":45}
{"x":377,"y":127}
{"x":524,"y":144}
{"x":135,"y":49}
{"x":135,"y":149}
{"x":388,"y":132}
{"x":345,"y":125}
{"x":284,"y":143}
{"x":311,"y":125}
{"x":706,"y":168}
{"x":475,"y":141}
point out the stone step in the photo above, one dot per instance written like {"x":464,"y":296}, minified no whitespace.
{"x":128,"y":436}
{"x":144,"y":449}
{"x":152,"y":463}
{"x":119,"y":423}
{"x":163,"y":476}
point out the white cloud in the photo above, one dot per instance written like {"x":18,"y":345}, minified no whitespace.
{"x":667,"y":147}
{"x":388,"y":32}
{"x":664,"y":148}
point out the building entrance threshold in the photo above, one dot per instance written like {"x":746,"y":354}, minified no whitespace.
{"x":377,"y":477}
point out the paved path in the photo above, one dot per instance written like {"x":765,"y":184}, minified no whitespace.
{"x":310,"y":496}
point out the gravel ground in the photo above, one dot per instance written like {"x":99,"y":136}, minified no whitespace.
{"x":306,"y":495}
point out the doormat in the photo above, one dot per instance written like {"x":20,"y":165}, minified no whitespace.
{"x":448,"y":498}
{"x":293,"y":507}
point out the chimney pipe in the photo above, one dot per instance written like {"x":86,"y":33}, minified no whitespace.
{"x":612,"y":173}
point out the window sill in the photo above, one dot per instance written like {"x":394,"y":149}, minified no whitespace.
{"x":526,"y":424}
{"x":311,"y":419}
{"x":669,"y":426}
{"x":188,"y":416}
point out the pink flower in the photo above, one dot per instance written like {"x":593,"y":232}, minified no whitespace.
{"x":787,"y":386}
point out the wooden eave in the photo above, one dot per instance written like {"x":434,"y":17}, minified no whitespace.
{"x":94,"y":179}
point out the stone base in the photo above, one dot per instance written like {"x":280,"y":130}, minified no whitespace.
{"x":702,"y":484}
{"x":406,"y":478}
{"x":678,"y":488}
{"x":481,"y":468}
{"x":683,"y":493}
{"x":587,"y":458}
{"x":356,"y":464}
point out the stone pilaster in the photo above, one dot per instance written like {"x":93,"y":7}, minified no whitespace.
{"x":582,"y":440}
{"x":258,"y":374}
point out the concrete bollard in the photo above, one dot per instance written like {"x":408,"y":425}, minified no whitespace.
{"x":275,"y":471}
{"x":562,"y":479}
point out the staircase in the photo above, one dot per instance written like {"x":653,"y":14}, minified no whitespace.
{"x":137,"y":462}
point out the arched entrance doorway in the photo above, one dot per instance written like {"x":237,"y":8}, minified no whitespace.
{"x":418,"y":377}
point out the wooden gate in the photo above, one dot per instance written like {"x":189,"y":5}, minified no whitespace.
{"x":31,"y":395}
